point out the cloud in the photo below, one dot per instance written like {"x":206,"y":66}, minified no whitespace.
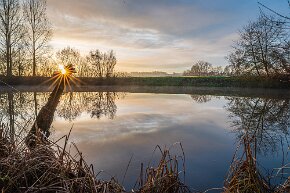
{"x":173,"y":17}
{"x":150,"y":35}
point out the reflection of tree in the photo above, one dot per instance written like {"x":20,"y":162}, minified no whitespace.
{"x":104,"y":104}
{"x":201,"y":98}
{"x":16,"y":111}
{"x":264,"y":120}
{"x":11,"y":114}
{"x":96,"y":104}
{"x":70,"y":106}
{"x":19,"y":109}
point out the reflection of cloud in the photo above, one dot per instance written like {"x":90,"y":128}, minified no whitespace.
{"x":147,"y":113}
{"x":148,"y":35}
{"x":109,"y":146}
{"x":146,"y":120}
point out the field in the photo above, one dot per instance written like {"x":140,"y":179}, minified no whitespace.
{"x":210,"y":81}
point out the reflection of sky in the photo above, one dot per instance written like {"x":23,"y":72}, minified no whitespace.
{"x":146,"y":120}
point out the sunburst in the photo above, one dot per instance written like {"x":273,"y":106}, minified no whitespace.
{"x":64,"y":76}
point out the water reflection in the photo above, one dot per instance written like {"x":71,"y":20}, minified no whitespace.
{"x":265,"y":121}
{"x":201,"y":98}
{"x":97,"y":104}
{"x":19,"y":109}
{"x":16,"y":112}
{"x":200,"y":122}
{"x":40,"y":129}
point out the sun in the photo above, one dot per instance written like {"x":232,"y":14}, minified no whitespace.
{"x":64,"y":76}
{"x":62,"y":69}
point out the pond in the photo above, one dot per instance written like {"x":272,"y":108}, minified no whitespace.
{"x":117,"y":131}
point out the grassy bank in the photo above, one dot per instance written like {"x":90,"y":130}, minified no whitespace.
{"x":243,"y":82}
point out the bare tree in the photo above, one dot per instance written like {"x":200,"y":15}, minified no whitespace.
{"x":20,"y":61}
{"x":38,"y":30}
{"x":275,"y":12}
{"x":202,"y":68}
{"x":111,"y":63}
{"x":263,"y":48}
{"x":103,"y":63}
{"x":95,"y":59}
{"x":71,"y":56}
{"x":11,"y":31}
{"x":68,"y":56}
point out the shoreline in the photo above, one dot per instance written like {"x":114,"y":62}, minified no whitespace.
{"x":213,"y":91}
{"x":210,"y":81}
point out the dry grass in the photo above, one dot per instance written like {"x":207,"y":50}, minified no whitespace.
{"x":284,"y":187}
{"x":165,"y":177}
{"x":244,"y":176}
{"x":48,"y":167}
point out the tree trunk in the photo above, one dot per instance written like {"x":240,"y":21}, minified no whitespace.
{"x":35,"y":103}
{"x":45,"y":117}
{"x":34,"y":58}
{"x":11,"y":115}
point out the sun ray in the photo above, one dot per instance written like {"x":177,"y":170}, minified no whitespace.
{"x":50,"y":79}
{"x":75,"y":80}
{"x":56,"y":80}
{"x":63,"y":76}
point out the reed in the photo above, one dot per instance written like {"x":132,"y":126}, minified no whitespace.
{"x":49,"y":167}
{"x":244,"y":176}
{"x":165,"y":177}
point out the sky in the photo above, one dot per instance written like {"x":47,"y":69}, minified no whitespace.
{"x":154,"y":35}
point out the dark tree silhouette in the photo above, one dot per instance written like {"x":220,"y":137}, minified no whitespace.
{"x":11,"y":31}
{"x":103,"y":63}
{"x":38,"y":30}
{"x":202,"y":68}
{"x":263,"y":48}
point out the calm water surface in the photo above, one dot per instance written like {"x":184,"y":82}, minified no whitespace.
{"x":110,"y":128}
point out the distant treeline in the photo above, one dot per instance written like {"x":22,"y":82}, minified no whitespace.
{"x":157,"y":82}
{"x":147,"y":74}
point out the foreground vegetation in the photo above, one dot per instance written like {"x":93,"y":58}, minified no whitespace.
{"x":48,"y":167}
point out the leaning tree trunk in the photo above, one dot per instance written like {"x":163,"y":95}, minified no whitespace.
{"x":39,"y":132}
{"x":40,"y":129}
